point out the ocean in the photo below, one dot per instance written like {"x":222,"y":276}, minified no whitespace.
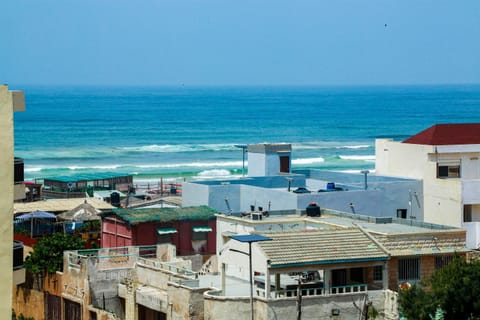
{"x":187,"y":133}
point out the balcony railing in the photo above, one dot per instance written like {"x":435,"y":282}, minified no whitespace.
{"x":354,"y":288}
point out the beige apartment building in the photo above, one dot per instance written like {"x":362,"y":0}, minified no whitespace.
{"x":446,"y":158}
{"x":10,"y":102}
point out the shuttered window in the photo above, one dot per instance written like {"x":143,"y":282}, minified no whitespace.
{"x":409,"y":269}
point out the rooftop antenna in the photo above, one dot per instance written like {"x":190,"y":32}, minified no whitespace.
{"x":365,"y":172}
{"x":229,"y":212}
{"x":289,"y":183}
{"x":244,"y":151}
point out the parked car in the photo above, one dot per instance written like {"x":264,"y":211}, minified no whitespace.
{"x":301,"y":190}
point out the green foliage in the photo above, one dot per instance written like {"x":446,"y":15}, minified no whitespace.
{"x":452,"y":293}
{"x":20,"y":317}
{"x":416,"y":304}
{"x":456,"y":288}
{"x":372,"y":312}
{"x":47,"y":255}
{"x":89,"y":226}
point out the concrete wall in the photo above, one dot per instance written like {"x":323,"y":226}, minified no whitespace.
{"x":391,"y":159}
{"x":219,"y":307}
{"x":442,"y":199}
{"x":7,"y":106}
{"x":473,"y":234}
{"x":198,"y":195}
{"x":257,"y":164}
{"x":28,"y":302}
{"x":186,"y":303}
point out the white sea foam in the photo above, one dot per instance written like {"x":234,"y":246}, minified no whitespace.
{"x":327,"y":145}
{"x":180,"y":148}
{"x":205,"y":164}
{"x":355,"y":171}
{"x":33,"y":169}
{"x":354,"y":147}
{"x":214,"y":173}
{"x":308,"y":160}
{"x":364,"y":158}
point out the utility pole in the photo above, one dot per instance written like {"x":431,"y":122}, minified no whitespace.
{"x":299,"y":299}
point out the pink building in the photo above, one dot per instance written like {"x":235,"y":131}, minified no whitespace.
{"x":191,"y":229}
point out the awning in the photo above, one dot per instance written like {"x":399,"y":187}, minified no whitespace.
{"x":36,"y":215}
{"x":202,"y":229}
{"x":166,"y":230}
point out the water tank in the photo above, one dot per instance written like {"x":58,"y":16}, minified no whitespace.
{"x":313,"y":210}
{"x":115,"y":199}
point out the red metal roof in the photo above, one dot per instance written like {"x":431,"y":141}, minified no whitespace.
{"x":448,"y":134}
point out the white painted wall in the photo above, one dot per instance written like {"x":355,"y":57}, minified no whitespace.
{"x":398,"y":159}
{"x":257,"y":164}
{"x":443,"y":198}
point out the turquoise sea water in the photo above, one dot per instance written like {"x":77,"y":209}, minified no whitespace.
{"x":191,"y":133}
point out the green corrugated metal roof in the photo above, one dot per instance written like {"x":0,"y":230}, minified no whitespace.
{"x":88,"y":177}
{"x":136,"y":216}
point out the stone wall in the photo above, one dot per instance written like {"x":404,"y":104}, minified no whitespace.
{"x":29,"y":302}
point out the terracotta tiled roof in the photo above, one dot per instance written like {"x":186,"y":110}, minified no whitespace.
{"x":448,"y":134}
{"x":320,"y":247}
{"x":410,"y":245}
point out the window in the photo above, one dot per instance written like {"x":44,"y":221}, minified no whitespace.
{"x":356,"y":275}
{"x":442,"y":261}
{"x":402,"y":213}
{"x":164,"y":235}
{"x":467,"y":213}
{"x":199,"y":236}
{"x":164,"y":238}
{"x":451,"y":170}
{"x":409,"y":269}
{"x":200,"y":232}
{"x":378,"y":273}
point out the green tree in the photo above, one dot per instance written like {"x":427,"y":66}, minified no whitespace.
{"x":453,"y":290}
{"x":47,"y":255}
{"x":456,"y":288}
{"x":416,"y":304}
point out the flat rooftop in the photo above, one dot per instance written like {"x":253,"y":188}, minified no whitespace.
{"x":336,"y":219}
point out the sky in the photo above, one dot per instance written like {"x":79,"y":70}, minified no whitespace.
{"x":232,"y":42}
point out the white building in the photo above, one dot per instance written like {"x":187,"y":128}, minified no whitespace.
{"x":446,"y":157}
{"x":272,"y":185}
